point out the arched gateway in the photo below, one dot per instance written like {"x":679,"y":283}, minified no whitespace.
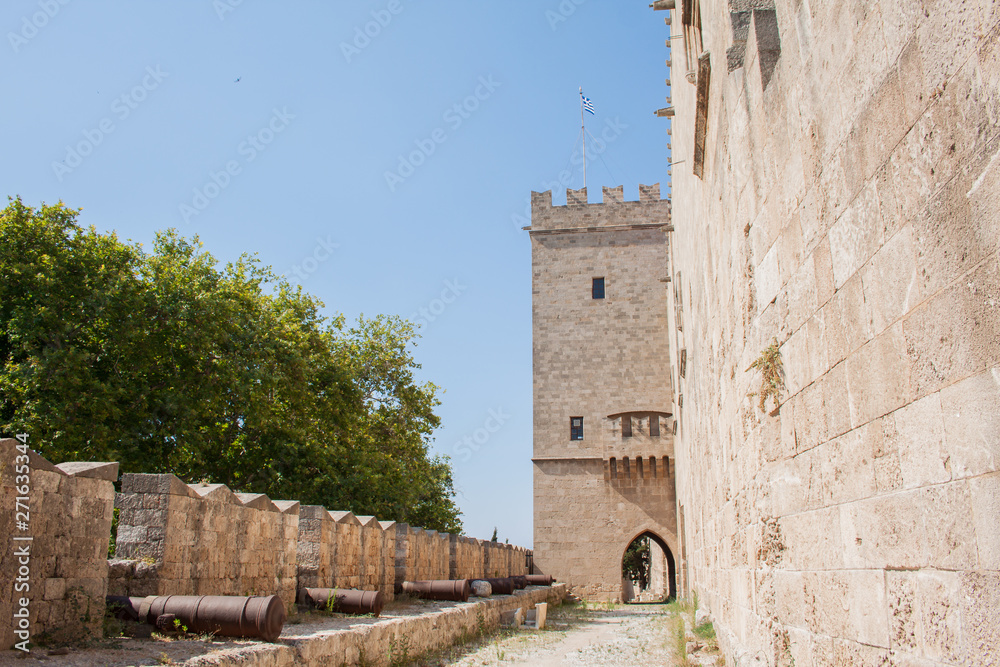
{"x":603,"y":402}
{"x":649,"y":573}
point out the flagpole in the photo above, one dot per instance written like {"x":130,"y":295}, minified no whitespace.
{"x":583,"y":132}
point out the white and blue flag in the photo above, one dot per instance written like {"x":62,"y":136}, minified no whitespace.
{"x":587,"y":104}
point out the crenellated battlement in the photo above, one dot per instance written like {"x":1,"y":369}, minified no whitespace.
{"x":613,"y":211}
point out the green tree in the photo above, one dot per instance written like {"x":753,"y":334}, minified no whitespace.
{"x":636,"y":562}
{"x":166,"y":362}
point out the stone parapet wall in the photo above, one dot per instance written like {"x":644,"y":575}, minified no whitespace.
{"x":315,"y":551}
{"x":206,"y":540}
{"x":69,"y":511}
{"x":347,"y":551}
{"x":372,"y":545}
{"x":198,"y":539}
{"x":612,"y":212}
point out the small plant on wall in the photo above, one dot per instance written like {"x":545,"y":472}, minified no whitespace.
{"x":772,"y":376}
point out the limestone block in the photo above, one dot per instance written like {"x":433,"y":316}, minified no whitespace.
{"x":836,"y":407}
{"x":846,"y":469}
{"x":984,"y":495}
{"x":849,"y":604}
{"x":886,"y":531}
{"x":950,"y":533}
{"x":801,"y":296}
{"x":55,"y":589}
{"x":919,"y":431}
{"x":846,"y":321}
{"x":890,"y":283}
{"x":980,"y":597}
{"x":878,"y":376}
{"x":767,"y":277}
{"x":971,"y":415}
{"x":94,"y":470}
{"x":812,"y":539}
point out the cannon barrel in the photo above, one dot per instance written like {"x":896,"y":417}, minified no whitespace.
{"x":502,"y":585}
{"x":224,"y":615}
{"x":343,"y":601}
{"x":520,"y":581}
{"x":539,"y":579}
{"x":443,"y":589}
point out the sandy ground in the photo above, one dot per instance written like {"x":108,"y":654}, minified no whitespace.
{"x":609,"y":636}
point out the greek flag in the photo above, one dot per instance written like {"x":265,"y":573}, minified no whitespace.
{"x":587,"y":104}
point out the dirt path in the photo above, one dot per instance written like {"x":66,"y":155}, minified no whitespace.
{"x":624,"y":636}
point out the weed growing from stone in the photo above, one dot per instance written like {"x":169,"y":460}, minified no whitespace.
{"x":399,"y":651}
{"x":772,"y":376}
{"x":680,"y":642}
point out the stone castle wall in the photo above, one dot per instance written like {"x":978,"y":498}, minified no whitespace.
{"x":848,"y":207}
{"x":200,"y":539}
{"x":69,"y":511}
{"x":203,"y":539}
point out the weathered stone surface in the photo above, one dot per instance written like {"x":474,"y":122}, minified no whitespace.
{"x":67,"y":514}
{"x":849,"y":208}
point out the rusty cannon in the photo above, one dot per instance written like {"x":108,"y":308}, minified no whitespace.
{"x":539,"y":579}
{"x":343,"y":601}
{"x":502,"y":585}
{"x":520,"y":581}
{"x":456,"y":590}
{"x":224,"y":615}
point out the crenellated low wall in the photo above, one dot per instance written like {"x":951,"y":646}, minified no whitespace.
{"x":201,"y":539}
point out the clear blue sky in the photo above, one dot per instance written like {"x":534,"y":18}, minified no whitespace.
{"x":127,"y":109}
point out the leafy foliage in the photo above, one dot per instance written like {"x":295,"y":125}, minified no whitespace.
{"x":636,"y":562}
{"x":166,"y":362}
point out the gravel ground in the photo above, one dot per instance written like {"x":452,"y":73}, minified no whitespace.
{"x":606,"y":636}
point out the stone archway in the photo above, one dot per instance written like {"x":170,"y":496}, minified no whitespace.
{"x":648,"y":570}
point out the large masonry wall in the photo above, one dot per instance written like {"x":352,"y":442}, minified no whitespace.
{"x":63,"y":548}
{"x":849,"y":209}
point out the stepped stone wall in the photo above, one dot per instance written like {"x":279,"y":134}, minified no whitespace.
{"x":203,"y":539}
{"x":197,"y":539}
{"x":62,"y":570}
{"x":837,"y":190}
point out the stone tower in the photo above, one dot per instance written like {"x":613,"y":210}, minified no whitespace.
{"x":603,"y":404}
